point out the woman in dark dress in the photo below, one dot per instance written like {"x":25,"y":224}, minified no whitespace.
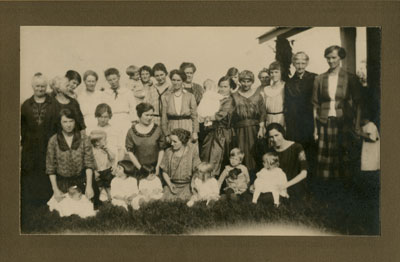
{"x":248,"y":120}
{"x":298,"y":107}
{"x":145,"y":142}
{"x":37,"y":118}
{"x":292,"y":160}
{"x":218,"y":141}
{"x":62,"y":100}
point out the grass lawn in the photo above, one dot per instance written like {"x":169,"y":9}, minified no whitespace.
{"x":346,"y":213}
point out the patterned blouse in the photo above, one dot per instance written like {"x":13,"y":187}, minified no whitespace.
{"x":69,"y":161}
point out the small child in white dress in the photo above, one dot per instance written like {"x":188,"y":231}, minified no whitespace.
{"x":204,"y":185}
{"x":104,"y":159}
{"x":370,"y":153}
{"x":150,"y":187}
{"x":123,"y":187}
{"x":73,"y":203}
{"x":270,"y":179}
{"x":210,"y":103}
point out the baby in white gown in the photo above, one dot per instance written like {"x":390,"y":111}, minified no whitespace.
{"x":73,"y":203}
{"x":210,"y":103}
{"x":270,"y":179}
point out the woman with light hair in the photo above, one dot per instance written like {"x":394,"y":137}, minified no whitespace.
{"x":248,"y":120}
{"x":37,"y":120}
{"x":298,"y":107}
{"x":60,"y":86}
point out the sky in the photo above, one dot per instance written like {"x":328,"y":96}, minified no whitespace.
{"x":52,"y":50}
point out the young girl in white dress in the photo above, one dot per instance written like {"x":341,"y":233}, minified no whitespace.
{"x":73,"y":203}
{"x":270,"y":179}
{"x":123,"y":187}
{"x":210,"y":103}
{"x":204,"y":185}
{"x":150,"y":187}
{"x":273,"y":95}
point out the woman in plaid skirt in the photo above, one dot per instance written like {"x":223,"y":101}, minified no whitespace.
{"x":336,"y":98}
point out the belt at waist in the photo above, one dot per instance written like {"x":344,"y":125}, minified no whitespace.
{"x":247,"y":122}
{"x":175,"y":117}
{"x":277,"y":113}
{"x":180,"y":182}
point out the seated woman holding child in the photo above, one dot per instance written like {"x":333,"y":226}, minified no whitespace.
{"x":292,"y":161}
{"x":178,"y":164}
{"x":69,"y":160}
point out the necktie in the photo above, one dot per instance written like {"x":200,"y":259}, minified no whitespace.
{"x":115,"y":93}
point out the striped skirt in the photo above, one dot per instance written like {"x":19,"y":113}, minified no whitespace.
{"x":332,"y":148}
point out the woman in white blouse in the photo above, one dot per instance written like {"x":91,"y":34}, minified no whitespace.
{"x":336,"y":102}
{"x":89,"y":98}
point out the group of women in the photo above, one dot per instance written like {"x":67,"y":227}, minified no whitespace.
{"x":154,"y":121}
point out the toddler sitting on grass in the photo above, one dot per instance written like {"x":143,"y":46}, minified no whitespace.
{"x":73,"y":203}
{"x":150,"y":187}
{"x":235,"y":175}
{"x":204,"y":185}
{"x":123,"y":187}
{"x":270,"y":179}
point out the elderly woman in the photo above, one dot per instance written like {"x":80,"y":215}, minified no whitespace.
{"x":63,"y":100}
{"x":89,"y":98}
{"x":74,"y":80}
{"x":274,"y":95}
{"x":37,"y":120}
{"x":179,"y":108}
{"x":336,"y":100}
{"x":292,"y":160}
{"x":178,"y":164}
{"x":298,"y":107}
{"x":69,"y":160}
{"x":145,"y":142}
{"x":197,"y":90}
{"x":248,"y":120}
{"x":218,"y":142}
{"x":162,"y":87}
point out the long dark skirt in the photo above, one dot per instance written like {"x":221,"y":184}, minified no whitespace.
{"x":247,"y":141}
{"x":216,"y":147}
{"x":333,"y":148}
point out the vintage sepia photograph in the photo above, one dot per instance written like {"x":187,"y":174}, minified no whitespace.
{"x":196,"y":130}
